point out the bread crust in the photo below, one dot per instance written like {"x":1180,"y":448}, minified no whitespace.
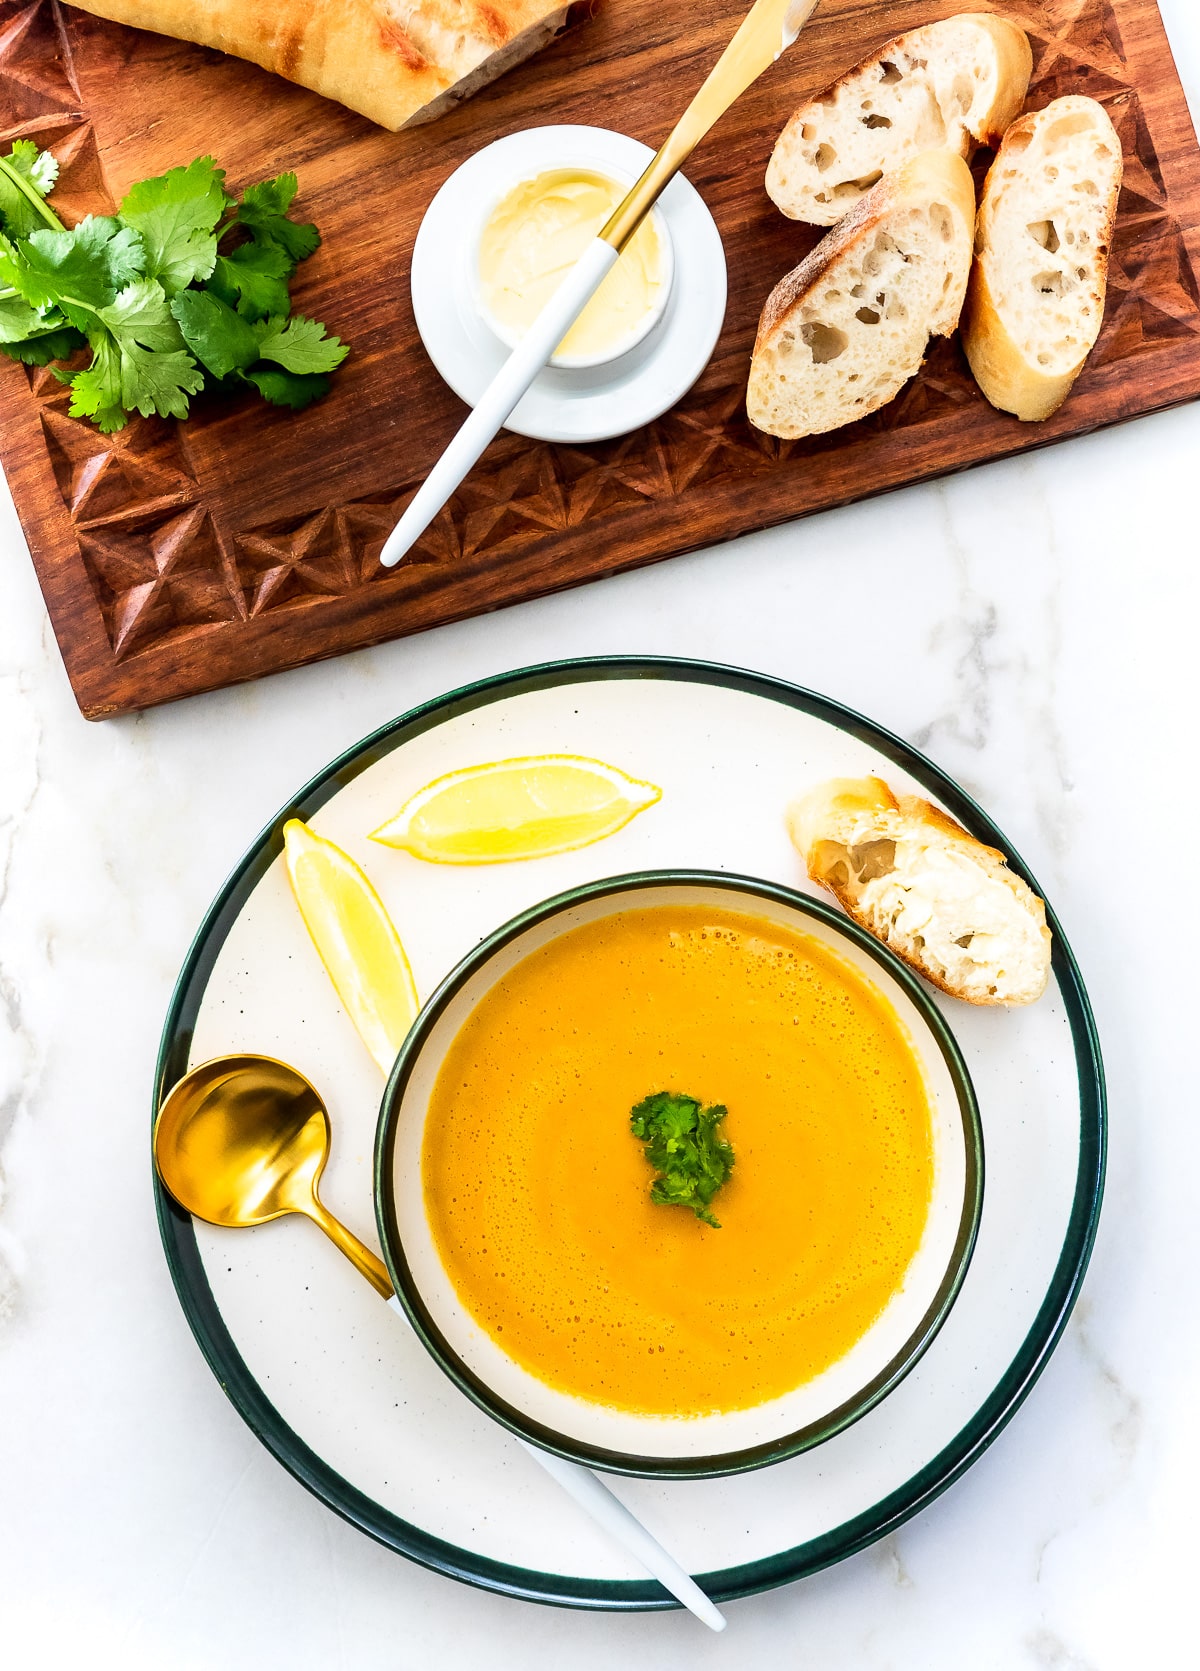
{"x":396,"y":62}
{"x":1015,"y":56}
{"x":1014,"y":59}
{"x":1009,"y":379}
{"x":934,"y":176}
{"x":836,"y":819}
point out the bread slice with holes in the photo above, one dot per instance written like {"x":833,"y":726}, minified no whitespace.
{"x":915,"y":879}
{"x":841,"y":335}
{"x":947,"y":86}
{"x":1036,"y":299}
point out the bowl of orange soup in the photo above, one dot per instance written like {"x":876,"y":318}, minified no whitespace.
{"x":517,"y":1205}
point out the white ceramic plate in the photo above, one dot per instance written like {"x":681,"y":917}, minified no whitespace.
{"x":349,"y":1399}
{"x":580,"y":405}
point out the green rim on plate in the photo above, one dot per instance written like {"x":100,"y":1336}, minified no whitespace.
{"x":757,"y":1456}
{"x":252,"y":1403}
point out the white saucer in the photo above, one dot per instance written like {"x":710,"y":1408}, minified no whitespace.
{"x":599,"y":402}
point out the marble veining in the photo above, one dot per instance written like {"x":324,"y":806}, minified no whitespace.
{"x":21,"y":1047}
{"x":1031,"y":627}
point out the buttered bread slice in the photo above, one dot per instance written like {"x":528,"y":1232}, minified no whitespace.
{"x":397,"y":62}
{"x":944,"y":902}
{"x":841,"y":335}
{"x":1036,"y":302}
{"x":947,"y":86}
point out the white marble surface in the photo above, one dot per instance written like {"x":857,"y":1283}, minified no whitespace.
{"x":1032,"y":627}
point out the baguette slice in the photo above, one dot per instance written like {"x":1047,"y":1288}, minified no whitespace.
{"x":841,"y":335}
{"x":398,"y":62}
{"x":1036,"y":302}
{"x":944,"y":902}
{"x":948,"y":86}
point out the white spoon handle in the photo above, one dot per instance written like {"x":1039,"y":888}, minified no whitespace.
{"x":611,"y":1515}
{"x":500,"y":397}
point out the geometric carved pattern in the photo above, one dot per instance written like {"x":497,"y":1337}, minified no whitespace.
{"x":296,"y":563}
{"x":36,"y":76}
{"x":156,"y":581}
{"x":171,"y":564}
{"x":1072,"y":41}
{"x":128,"y":477}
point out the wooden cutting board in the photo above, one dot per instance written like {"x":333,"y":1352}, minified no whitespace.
{"x":177,"y":558}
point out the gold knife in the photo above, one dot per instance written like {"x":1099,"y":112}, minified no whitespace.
{"x":766,"y":31}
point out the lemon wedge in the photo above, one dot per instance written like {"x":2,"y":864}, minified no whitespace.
{"x":524,"y":808}
{"x":356,"y":939}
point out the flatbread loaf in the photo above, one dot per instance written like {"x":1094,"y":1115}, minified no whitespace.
{"x":923,"y":885}
{"x":397,"y":62}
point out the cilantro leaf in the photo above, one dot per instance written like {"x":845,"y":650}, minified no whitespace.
{"x":96,"y":392}
{"x":26,"y":175}
{"x":153,"y":382}
{"x":253,"y":278}
{"x":263,"y":211}
{"x":140,"y":314}
{"x":684,"y":1147}
{"x":176,"y":215}
{"x":285,"y":388}
{"x":18,"y":320}
{"x":32,"y":337}
{"x":57,"y":344}
{"x":152,"y":296}
{"x":140,"y":362}
{"x":80,"y":271}
{"x":219,"y":338}
{"x":300,"y":346}
{"x":40,"y":168}
{"x":125,"y":377}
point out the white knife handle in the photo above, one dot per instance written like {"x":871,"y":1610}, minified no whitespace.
{"x":501,"y":396}
{"x":611,"y":1515}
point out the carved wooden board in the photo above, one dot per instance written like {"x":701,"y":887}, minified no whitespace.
{"x":179,"y":558}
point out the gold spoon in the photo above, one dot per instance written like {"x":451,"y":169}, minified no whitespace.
{"x":244,"y":1139}
{"x":241,"y":1140}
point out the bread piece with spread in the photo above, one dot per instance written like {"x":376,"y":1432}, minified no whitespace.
{"x":915,"y":879}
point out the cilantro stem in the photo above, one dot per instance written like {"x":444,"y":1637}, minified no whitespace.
{"x":31,"y":192}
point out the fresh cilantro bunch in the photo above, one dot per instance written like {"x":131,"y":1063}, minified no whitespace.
{"x":185,"y":288}
{"x":684,"y":1147}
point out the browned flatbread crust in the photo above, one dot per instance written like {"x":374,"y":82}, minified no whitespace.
{"x":396,"y":61}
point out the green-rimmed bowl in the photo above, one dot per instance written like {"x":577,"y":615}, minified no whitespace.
{"x":695,"y":1446}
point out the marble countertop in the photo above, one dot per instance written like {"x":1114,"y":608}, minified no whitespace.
{"x":1031,"y":627}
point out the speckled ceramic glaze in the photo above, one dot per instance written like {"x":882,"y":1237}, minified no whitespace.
{"x":701,"y":1446}
{"x":351,"y":1401}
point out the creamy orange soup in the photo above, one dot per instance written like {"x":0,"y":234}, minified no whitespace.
{"x":539,"y":1195}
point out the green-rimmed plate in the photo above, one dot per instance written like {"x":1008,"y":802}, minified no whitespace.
{"x":724,"y":1442}
{"x":350,"y":1401}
